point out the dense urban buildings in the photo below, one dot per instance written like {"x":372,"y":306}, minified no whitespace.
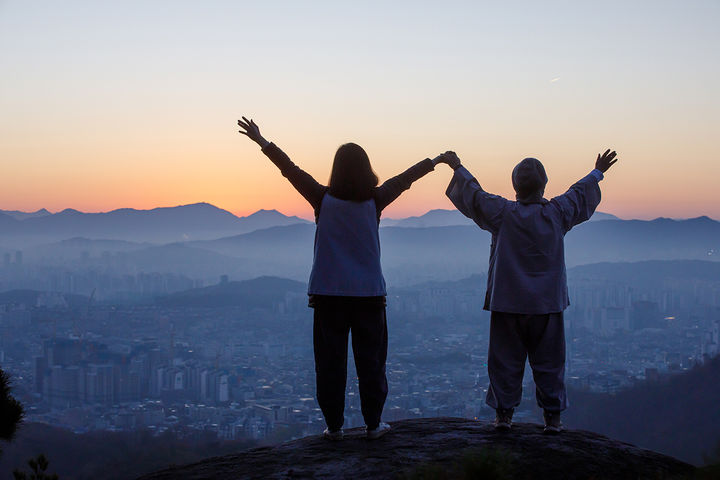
{"x":246,"y":371}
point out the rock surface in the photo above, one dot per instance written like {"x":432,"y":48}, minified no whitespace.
{"x":411,"y":443}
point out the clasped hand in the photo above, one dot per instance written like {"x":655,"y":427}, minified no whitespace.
{"x":449,"y":157}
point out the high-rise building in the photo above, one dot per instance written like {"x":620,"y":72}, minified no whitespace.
{"x":99,"y":383}
{"x":66,"y":386}
{"x":41,"y":371}
{"x":63,"y":351}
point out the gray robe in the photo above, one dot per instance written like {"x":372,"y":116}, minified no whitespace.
{"x":527,"y":257}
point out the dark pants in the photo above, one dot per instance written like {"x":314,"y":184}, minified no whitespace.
{"x":333,"y":322}
{"x":539,"y":338}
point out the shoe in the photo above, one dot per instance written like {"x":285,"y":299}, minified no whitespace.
{"x":333,"y":436}
{"x":378,"y":432}
{"x":553,"y":425}
{"x":503,"y":419}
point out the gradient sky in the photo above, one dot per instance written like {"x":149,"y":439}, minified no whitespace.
{"x":106,"y":105}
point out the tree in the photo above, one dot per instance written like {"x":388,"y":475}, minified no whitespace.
{"x":38,"y":467}
{"x":11,"y":411}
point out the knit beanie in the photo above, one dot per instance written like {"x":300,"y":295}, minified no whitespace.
{"x":529,"y":180}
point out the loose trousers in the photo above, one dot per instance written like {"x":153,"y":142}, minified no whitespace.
{"x":539,"y":338}
{"x":332,"y":323}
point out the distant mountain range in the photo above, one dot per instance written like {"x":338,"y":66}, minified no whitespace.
{"x":202,"y":241}
{"x":159,"y":225}
{"x":199,"y":221}
{"x":412,"y":255}
{"x":18,"y":215}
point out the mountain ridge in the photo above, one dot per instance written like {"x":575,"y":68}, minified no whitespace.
{"x":158,"y":225}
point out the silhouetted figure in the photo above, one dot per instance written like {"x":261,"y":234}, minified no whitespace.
{"x":527,"y":285}
{"x":346,"y":287}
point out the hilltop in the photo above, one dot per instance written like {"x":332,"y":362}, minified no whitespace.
{"x":256,"y":293}
{"x":436,"y":443}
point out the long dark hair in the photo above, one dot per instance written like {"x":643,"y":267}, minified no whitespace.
{"x":352,"y":177}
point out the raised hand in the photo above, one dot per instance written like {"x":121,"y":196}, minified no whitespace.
{"x":449,"y":157}
{"x":252,"y":131}
{"x":606,"y":160}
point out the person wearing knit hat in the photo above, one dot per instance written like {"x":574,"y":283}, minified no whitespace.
{"x":527,"y":282}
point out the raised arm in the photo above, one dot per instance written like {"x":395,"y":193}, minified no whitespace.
{"x":582,"y":198}
{"x":465,"y":192}
{"x":303,"y":182}
{"x":391,"y":189}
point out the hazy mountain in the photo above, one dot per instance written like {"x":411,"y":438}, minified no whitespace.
{"x":159,"y":225}
{"x":77,"y":248}
{"x":18,"y":215}
{"x":259,"y":292}
{"x":648,"y":275}
{"x":267,"y":219}
{"x":280,"y":251}
{"x":413,"y":255}
{"x":651,"y":274}
{"x":602,"y":216}
{"x":472,"y":283}
{"x":635,"y":240}
{"x":433,"y":218}
{"x":182,"y":259}
{"x":678,"y":415}
{"x":130,"y":258}
{"x":446,"y":218}
{"x":7,"y":222}
{"x":409,"y":254}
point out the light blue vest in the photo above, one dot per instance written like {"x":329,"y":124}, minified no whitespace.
{"x":347,"y":250}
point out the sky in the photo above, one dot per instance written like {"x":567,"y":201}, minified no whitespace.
{"x":106,"y":105}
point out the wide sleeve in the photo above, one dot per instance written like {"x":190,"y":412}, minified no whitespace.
{"x":580,"y":201}
{"x":303,"y":182}
{"x":391,"y":189}
{"x":484,"y":208}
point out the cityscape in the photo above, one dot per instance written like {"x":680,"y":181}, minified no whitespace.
{"x":184,"y":363}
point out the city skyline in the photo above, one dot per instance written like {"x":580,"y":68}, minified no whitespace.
{"x":134,"y":106}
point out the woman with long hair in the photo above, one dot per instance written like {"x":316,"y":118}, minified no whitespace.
{"x":346,"y":287}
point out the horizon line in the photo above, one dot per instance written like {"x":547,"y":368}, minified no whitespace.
{"x":50,"y":212}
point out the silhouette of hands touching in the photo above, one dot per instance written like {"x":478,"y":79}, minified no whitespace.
{"x":606,"y":160}
{"x":449,"y":157}
{"x":252,"y":131}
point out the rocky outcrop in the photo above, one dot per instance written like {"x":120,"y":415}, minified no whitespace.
{"x":413,"y":444}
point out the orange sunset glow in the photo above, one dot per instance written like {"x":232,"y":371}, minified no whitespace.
{"x":134,"y":105}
